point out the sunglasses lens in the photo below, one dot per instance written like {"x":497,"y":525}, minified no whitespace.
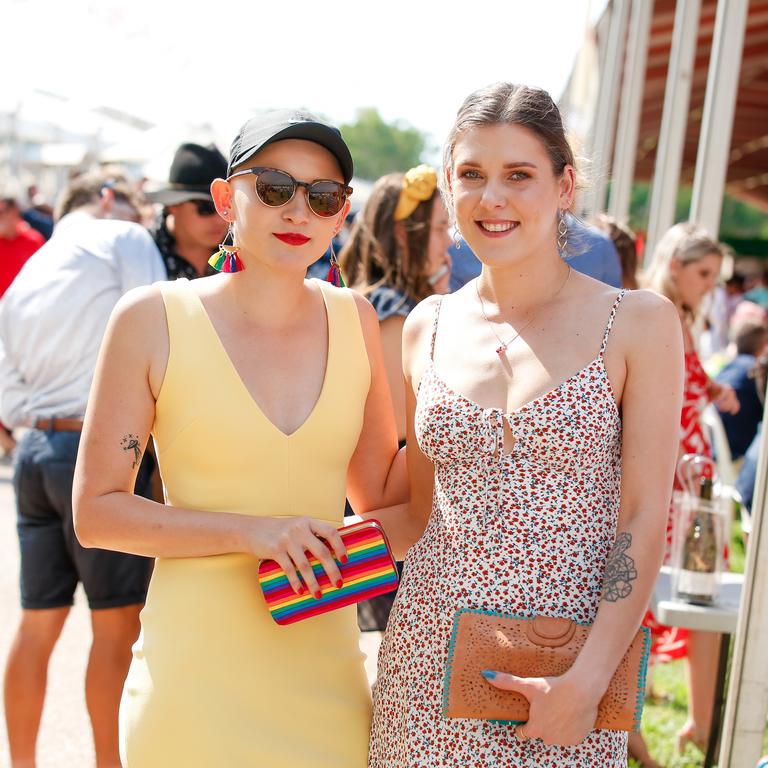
{"x":326,"y":198}
{"x":274,"y":188}
{"x":205,"y":207}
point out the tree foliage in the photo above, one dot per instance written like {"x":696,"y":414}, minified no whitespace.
{"x":739,"y":219}
{"x":379,"y":147}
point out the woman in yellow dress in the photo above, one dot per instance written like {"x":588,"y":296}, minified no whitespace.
{"x":267,"y":399}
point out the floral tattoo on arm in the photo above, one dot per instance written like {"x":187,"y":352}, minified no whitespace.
{"x":131,"y":443}
{"x":620,"y":570}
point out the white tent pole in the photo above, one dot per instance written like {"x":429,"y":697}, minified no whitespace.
{"x":747,"y":701}
{"x":605,"y":112}
{"x":719,"y":109}
{"x":674,"y":119}
{"x":625,"y":145}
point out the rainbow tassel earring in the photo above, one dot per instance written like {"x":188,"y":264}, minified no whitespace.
{"x":226,"y":259}
{"x":334,"y":273}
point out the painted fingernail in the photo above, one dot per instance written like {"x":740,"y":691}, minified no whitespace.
{"x":339,"y":584}
{"x":318,"y":595}
{"x":344,"y":559}
{"x":488,"y":674}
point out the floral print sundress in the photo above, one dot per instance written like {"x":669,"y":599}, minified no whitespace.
{"x":525,"y":531}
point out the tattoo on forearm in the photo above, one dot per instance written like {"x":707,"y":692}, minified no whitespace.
{"x":131,"y":443}
{"x":620,"y":570}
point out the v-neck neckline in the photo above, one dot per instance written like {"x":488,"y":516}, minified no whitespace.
{"x":239,"y":379}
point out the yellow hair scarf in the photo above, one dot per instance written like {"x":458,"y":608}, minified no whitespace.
{"x":418,"y":185}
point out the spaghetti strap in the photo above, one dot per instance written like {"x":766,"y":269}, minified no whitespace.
{"x":611,"y":318}
{"x":434,"y":329}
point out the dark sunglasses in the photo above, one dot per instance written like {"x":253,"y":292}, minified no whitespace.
{"x":204,"y":207}
{"x":276,"y":188}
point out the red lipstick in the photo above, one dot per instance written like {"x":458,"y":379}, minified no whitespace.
{"x":291,"y":238}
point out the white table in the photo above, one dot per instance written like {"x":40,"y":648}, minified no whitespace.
{"x":720,"y":617}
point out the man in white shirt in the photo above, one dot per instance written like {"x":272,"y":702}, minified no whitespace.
{"x":52,"y":320}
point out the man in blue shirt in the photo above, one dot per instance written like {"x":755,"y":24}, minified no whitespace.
{"x":750,"y":338}
{"x":595,"y":253}
{"x":465,"y":266}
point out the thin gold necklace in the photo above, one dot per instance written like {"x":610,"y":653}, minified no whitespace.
{"x":504,"y":345}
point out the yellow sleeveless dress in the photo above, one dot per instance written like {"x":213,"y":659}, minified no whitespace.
{"x":214,"y":682}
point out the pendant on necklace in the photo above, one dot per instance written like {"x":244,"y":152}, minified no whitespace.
{"x":501,"y":351}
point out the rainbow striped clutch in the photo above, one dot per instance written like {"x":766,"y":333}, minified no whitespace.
{"x":369,"y":571}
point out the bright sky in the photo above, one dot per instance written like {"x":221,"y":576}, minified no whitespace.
{"x":217,"y":62}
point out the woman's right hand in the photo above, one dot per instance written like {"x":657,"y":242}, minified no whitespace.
{"x":289,"y":540}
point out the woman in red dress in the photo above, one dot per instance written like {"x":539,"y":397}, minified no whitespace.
{"x":685,"y":267}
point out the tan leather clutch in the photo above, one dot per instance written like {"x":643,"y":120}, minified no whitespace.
{"x":538,"y":647}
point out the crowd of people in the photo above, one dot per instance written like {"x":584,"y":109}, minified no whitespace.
{"x":481,"y":389}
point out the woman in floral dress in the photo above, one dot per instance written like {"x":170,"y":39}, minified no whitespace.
{"x":528,"y":389}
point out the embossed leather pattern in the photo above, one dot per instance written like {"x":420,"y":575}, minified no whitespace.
{"x":538,"y":647}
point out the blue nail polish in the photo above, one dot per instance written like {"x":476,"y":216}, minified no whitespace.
{"x":488,"y":674}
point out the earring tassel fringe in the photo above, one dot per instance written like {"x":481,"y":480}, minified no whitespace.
{"x":334,"y":273}
{"x":226,"y":261}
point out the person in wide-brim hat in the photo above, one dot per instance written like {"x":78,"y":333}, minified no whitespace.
{"x":189,"y":230}
{"x":193,"y":169}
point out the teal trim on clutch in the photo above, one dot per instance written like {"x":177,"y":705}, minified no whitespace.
{"x":452,"y":647}
{"x":641,"y":677}
{"x":449,"y":660}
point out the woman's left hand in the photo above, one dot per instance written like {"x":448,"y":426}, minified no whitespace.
{"x":562,"y":712}
{"x":725,"y":399}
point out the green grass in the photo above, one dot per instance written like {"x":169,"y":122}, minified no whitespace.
{"x":664,"y":715}
{"x":738,"y":552}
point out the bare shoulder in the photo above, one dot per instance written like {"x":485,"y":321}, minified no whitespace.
{"x":417,"y":335}
{"x":369,"y":321}
{"x":648,"y":317}
{"x":364,"y":307}
{"x":140,"y":308}
{"x":138,"y":326}
{"x":138,"y":333}
{"x":420,"y":321}
{"x":648,"y":329}
{"x":646,"y":302}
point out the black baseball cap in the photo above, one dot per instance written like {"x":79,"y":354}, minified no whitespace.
{"x":269,"y":127}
